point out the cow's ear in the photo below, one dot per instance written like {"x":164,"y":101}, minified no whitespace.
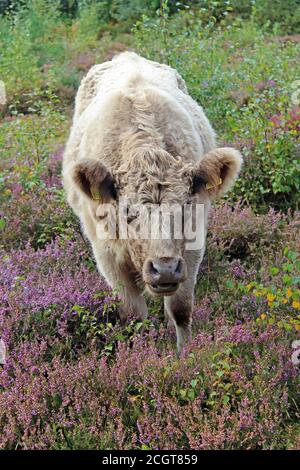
{"x":217,"y":171}
{"x":94,"y":180}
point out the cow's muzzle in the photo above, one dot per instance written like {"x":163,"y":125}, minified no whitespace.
{"x":163,"y":275}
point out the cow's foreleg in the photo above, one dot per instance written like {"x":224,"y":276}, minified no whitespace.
{"x":133,"y":303}
{"x":179,"y":307}
{"x":118,"y":276}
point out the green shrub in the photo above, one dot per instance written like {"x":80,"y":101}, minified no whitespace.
{"x":243,"y":79}
{"x":285,"y":14}
{"x":282,"y":14}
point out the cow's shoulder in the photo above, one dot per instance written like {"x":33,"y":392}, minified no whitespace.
{"x":89,"y":87}
{"x":169,"y":71}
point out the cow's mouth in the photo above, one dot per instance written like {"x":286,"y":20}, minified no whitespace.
{"x":165,"y":289}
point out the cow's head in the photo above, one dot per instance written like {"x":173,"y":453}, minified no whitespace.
{"x":155,"y":179}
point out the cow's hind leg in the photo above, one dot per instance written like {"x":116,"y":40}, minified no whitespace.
{"x":179,"y":307}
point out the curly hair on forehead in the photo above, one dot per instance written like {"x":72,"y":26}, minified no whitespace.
{"x":154,"y":174}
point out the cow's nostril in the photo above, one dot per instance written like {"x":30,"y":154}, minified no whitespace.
{"x":178,"y":267}
{"x":152,"y":268}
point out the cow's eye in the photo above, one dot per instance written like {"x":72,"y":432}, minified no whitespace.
{"x":101,"y":214}
{"x":131,"y":216}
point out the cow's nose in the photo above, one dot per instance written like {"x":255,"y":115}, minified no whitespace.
{"x":163,"y":275}
{"x":165,"y":269}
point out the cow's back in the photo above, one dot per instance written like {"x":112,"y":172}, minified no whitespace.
{"x":125,"y":71}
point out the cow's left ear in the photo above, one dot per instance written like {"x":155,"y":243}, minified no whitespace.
{"x":217,"y":171}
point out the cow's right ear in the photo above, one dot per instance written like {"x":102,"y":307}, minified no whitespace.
{"x":94,"y":180}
